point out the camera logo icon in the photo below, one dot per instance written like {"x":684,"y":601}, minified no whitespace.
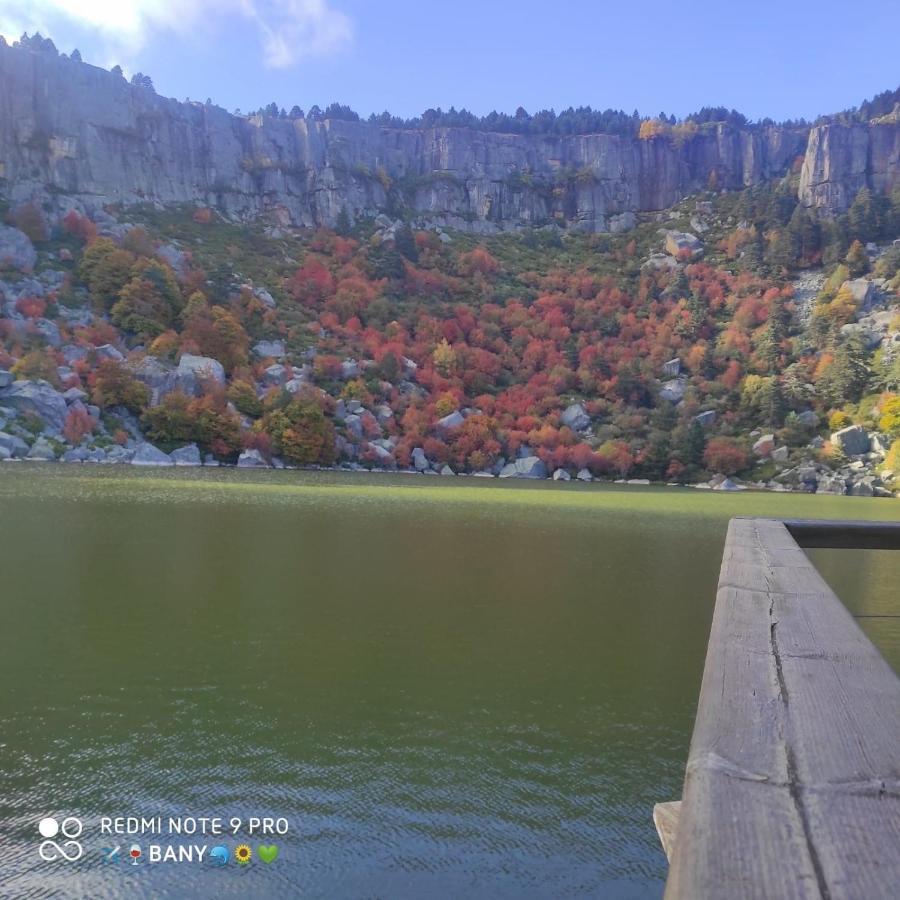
{"x":68,"y":849}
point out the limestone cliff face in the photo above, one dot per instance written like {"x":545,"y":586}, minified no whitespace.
{"x":841,"y":159}
{"x":73,"y":133}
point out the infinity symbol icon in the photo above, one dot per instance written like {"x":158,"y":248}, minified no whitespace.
{"x":70,"y":849}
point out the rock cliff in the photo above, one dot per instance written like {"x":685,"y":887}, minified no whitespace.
{"x":71,"y":133}
{"x":840,"y":159}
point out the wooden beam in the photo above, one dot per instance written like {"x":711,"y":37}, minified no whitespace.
{"x":792,"y":787}
{"x":665,"y":818}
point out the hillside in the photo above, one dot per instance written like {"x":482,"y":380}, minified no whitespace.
{"x":746,"y":335}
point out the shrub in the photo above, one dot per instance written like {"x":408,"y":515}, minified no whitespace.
{"x":725,"y":455}
{"x":116,"y":385}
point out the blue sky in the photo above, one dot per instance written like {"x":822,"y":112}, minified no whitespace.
{"x":781,"y":59}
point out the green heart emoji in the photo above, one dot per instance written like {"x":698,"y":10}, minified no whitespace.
{"x":267,"y":852}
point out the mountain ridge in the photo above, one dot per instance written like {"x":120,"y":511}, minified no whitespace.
{"x":74,"y":134}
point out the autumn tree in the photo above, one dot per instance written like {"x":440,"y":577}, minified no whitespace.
{"x":116,"y":385}
{"x":725,"y":455}
{"x":301,"y":433}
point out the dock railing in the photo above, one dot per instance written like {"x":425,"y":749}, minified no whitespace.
{"x":792,"y":785}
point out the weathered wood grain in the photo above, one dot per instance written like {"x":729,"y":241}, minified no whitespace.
{"x":665,"y":818}
{"x":792,"y":787}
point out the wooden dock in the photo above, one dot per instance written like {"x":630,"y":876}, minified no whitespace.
{"x":792,"y":786}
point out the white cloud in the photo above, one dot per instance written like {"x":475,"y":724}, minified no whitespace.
{"x":287,"y":30}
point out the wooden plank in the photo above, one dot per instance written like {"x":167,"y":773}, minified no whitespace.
{"x":792,"y":787}
{"x":665,"y":818}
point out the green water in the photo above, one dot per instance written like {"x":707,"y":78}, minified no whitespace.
{"x":448,"y":688}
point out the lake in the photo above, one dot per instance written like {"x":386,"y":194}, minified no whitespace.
{"x":449,"y":688}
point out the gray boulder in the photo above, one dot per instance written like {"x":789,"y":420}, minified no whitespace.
{"x":265,"y":349}
{"x":41,"y":450}
{"x":76,"y":454}
{"x":117,"y":455}
{"x":160,"y":377}
{"x":576,"y":417}
{"x":108,"y":351}
{"x":49,"y":331}
{"x":6,"y":378}
{"x":808,"y":419}
{"x":39,"y":398}
{"x":453,"y":420}
{"x":673,"y":390}
{"x":528,"y":467}
{"x":780,"y":454}
{"x":274,"y":375}
{"x":13,"y":444}
{"x":147,"y":455}
{"x":764,"y":445}
{"x":681,"y":243}
{"x":74,"y":394}
{"x":672,"y":369}
{"x":186,"y":456}
{"x":419,"y":460}
{"x":251,"y":459}
{"x":561,"y":475}
{"x":852,"y":440}
{"x":16,"y":249}
{"x":706,"y":419}
{"x":584,"y":475}
{"x":193,"y":371}
{"x":446,"y":470}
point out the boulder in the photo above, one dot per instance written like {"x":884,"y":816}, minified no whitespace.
{"x":274,"y":375}
{"x":453,"y":420}
{"x":6,"y":378}
{"x":672,"y":369}
{"x":38,"y":398}
{"x":193,"y":370}
{"x":76,"y":454}
{"x":673,"y":390}
{"x":576,"y":417}
{"x":764,"y":445}
{"x":561,"y":475}
{"x":728,"y":485}
{"x":251,"y":459}
{"x":108,"y":351}
{"x":4,"y":454}
{"x":267,"y":299}
{"x":419,"y":460}
{"x":831,"y":484}
{"x":147,"y":455}
{"x":780,"y":454}
{"x":41,"y":450}
{"x":160,"y":377}
{"x":584,"y":475}
{"x":265,"y":349}
{"x":74,"y":394}
{"x":349,"y":369}
{"x":706,"y":419}
{"x":862,"y":291}
{"x":119,"y":456}
{"x":186,"y":456}
{"x":16,"y":249}
{"x":49,"y":331}
{"x":852,"y":440}
{"x":681,"y":244}
{"x":353,"y":424}
{"x":446,"y":470}
{"x":808,"y":419}
{"x":528,"y":467}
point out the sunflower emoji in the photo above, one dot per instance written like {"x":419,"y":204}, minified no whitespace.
{"x":243,"y":854}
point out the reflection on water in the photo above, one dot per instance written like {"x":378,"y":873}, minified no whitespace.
{"x":448,"y":690}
